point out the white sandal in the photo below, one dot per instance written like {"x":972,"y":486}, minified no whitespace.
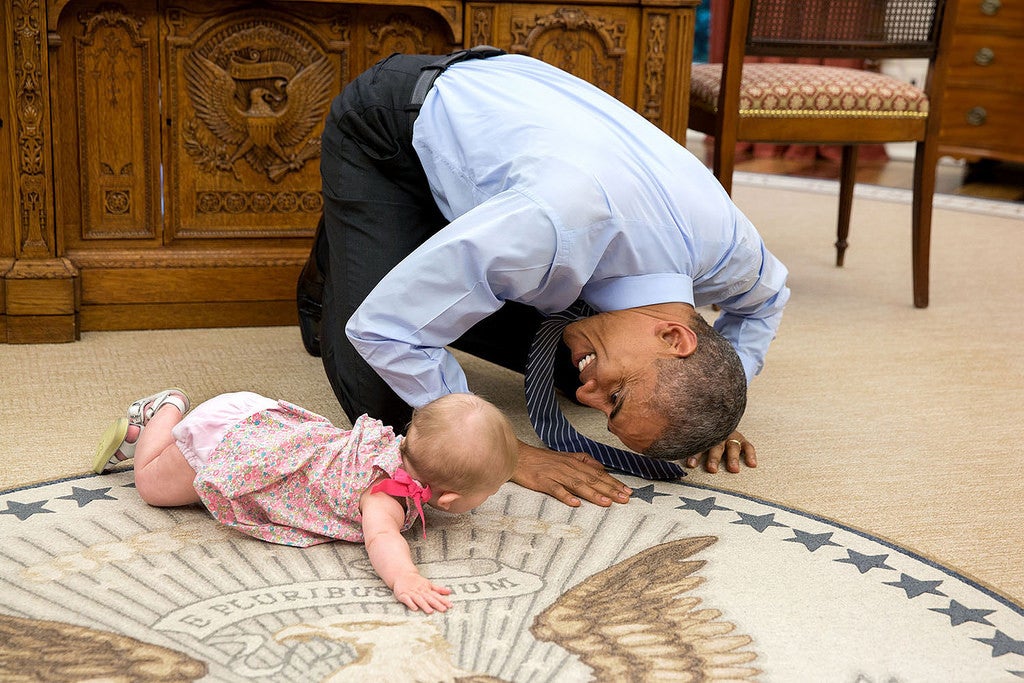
{"x":144,"y":409}
{"x":113,"y":449}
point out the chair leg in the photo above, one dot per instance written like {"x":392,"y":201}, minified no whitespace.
{"x":925,"y":160}
{"x":724,"y":158}
{"x":847,"y":180}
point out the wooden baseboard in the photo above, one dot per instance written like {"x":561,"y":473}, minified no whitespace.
{"x":40,"y":299}
{"x":166,"y":316}
{"x":41,"y":329}
{"x":47,"y":302}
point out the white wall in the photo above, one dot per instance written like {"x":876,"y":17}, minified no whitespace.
{"x":911,"y":71}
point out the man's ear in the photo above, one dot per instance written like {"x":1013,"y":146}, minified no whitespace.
{"x":445,"y":500}
{"x":680,"y":338}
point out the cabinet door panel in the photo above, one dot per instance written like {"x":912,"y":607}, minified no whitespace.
{"x":247,"y":91}
{"x":638,"y":54}
{"x":598,"y":44}
{"x":106,"y":108}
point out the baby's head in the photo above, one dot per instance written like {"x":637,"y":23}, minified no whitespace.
{"x":463,"y":447}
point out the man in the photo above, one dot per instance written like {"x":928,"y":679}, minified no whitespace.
{"x":466,"y":201}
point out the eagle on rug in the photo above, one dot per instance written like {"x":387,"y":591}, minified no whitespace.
{"x":634,"y":622}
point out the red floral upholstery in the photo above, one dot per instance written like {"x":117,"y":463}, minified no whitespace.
{"x":785,"y":90}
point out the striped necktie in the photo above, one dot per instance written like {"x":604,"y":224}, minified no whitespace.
{"x":553,"y":427}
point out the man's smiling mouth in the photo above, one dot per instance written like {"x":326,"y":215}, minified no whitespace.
{"x":585,"y":361}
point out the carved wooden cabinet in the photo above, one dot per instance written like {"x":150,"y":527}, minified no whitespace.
{"x":161,"y":157}
{"x":984,"y":92}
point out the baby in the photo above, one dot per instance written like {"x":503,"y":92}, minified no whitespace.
{"x":286,"y":475}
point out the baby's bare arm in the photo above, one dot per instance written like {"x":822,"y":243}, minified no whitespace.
{"x":389,"y":553}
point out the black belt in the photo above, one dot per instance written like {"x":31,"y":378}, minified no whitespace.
{"x":430,"y":72}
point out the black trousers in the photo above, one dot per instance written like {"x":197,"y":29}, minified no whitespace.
{"x":377,"y":210}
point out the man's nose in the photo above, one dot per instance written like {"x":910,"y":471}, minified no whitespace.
{"x":590,"y":395}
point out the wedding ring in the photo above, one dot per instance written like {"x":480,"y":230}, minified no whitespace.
{"x":736,"y":441}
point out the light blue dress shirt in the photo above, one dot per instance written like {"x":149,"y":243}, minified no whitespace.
{"x":557,"y":191}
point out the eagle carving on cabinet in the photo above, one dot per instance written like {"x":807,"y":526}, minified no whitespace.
{"x":259,"y":109}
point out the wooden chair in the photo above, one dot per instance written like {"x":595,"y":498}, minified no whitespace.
{"x":805,"y":103}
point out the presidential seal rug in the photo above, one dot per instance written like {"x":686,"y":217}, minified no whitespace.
{"x":685,"y":583}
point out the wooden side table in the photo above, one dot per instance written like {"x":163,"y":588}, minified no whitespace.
{"x":984,"y":94}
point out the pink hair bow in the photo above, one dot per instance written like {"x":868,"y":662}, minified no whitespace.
{"x":401,"y":484}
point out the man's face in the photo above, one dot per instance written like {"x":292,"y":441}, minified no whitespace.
{"x":614,"y":353}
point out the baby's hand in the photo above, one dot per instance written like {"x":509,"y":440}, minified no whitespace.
{"x":417,"y":593}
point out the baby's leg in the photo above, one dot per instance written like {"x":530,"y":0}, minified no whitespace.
{"x":162,"y":475}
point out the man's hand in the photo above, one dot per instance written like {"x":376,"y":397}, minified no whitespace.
{"x":731,"y":449}
{"x":567,"y":475}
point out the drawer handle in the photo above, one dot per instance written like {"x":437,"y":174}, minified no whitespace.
{"x":984,"y":56}
{"x":990,"y":7}
{"x":976,"y":116}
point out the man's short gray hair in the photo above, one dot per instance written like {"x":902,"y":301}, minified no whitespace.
{"x":702,"y":396}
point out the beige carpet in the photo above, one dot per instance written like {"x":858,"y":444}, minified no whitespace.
{"x":895,"y":427}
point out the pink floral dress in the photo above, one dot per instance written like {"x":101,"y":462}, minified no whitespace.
{"x":287,"y":475}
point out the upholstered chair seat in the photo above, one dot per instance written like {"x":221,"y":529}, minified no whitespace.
{"x":789,"y":90}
